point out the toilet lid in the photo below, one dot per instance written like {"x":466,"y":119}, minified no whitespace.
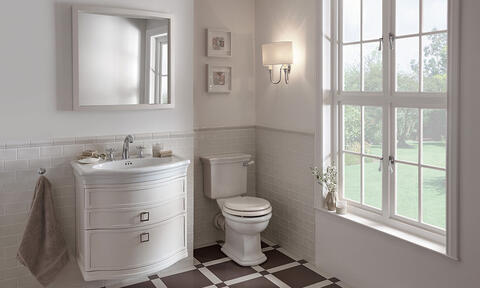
{"x":247,"y":206}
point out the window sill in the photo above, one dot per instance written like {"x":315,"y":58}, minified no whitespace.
{"x":434,"y":246}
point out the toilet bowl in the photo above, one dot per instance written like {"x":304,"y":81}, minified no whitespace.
{"x":245,"y":219}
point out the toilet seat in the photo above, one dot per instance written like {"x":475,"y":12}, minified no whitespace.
{"x":247,"y":207}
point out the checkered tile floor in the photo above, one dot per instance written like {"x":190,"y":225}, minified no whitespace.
{"x":215,"y":269}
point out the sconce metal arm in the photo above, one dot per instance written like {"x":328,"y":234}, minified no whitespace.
{"x":286,"y":70}
{"x":271,"y":75}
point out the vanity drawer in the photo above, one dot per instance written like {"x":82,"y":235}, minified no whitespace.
{"x":132,"y":248}
{"x":133,"y":196}
{"x":134,"y":217}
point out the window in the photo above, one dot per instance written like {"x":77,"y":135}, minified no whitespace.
{"x":157,"y":62}
{"x":392,"y":108}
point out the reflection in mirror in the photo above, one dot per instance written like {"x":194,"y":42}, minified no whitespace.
{"x":121,"y":59}
{"x":157,"y":65}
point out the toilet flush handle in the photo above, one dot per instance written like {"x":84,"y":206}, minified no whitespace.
{"x":248,"y":163}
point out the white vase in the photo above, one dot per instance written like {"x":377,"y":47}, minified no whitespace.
{"x":330,"y":201}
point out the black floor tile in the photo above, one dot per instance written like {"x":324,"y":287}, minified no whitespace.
{"x":209,"y":253}
{"x":230,"y":270}
{"x":259,"y":282}
{"x":193,"y":279}
{"x":147,"y":284}
{"x":275,"y":258}
{"x":333,"y":285}
{"x":298,"y":276}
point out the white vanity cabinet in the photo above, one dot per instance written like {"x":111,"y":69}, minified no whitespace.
{"x":132,"y":222}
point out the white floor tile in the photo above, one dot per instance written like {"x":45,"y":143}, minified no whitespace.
{"x":276,"y":281}
{"x":243,"y":279}
{"x":159,"y":283}
{"x":210,"y":275}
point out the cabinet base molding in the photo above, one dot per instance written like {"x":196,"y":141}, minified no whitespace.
{"x":132,"y":273}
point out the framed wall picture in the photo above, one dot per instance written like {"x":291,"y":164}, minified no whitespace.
{"x":219,"y":79}
{"x":219,"y":43}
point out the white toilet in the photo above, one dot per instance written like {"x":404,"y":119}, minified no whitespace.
{"x":225,"y":179}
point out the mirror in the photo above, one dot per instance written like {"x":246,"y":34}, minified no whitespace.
{"x":122,"y":59}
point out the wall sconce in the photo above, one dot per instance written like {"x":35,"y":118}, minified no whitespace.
{"x":278,"y":53}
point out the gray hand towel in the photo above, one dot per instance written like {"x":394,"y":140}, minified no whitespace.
{"x":43,"y":249}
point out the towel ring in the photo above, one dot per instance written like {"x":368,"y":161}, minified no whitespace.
{"x":42,"y":171}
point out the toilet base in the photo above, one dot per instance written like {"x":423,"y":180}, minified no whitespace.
{"x":250,"y":261}
{"x":242,"y":239}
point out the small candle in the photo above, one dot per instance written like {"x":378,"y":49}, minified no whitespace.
{"x":341,"y":207}
{"x":157,"y":149}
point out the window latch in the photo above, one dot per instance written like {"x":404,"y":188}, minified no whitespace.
{"x":380,"y":43}
{"x":391,"y":163}
{"x":391,"y":39}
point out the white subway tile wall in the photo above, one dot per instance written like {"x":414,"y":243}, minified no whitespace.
{"x":284,"y":178}
{"x":281,"y":175}
{"x":218,"y":141}
{"x":19,"y":161}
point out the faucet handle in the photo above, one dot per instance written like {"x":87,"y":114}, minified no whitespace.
{"x":110,"y":154}
{"x":140,"y":149}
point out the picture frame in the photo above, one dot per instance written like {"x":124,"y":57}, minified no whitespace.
{"x":219,"y":78}
{"x":219,"y":43}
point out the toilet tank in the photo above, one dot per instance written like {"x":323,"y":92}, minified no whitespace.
{"x":225,"y":175}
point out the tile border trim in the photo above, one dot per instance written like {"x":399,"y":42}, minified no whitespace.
{"x":304,"y":133}
{"x":100,"y":139}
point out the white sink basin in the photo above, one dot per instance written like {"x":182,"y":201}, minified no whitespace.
{"x":130,"y":166}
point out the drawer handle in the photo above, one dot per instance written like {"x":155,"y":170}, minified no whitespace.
{"x":144,"y":216}
{"x":144,"y":237}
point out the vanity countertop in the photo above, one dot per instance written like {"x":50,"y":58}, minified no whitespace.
{"x":130,"y":166}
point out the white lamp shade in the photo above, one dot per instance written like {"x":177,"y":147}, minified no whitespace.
{"x":277,"y":53}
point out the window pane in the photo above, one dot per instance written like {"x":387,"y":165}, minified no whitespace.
{"x":435,"y":59}
{"x":164,"y":59}
{"x":406,"y":58}
{"x":435,"y":15}
{"x":407,"y":17}
{"x":351,"y":179}
{"x":352,"y":127}
{"x":351,"y":20}
{"x":434,"y":201}
{"x":164,"y":92}
{"x":434,"y":137}
{"x":372,"y":68}
{"x":373,"y":182}
{"x":327,"y":18}
{"x":327,"y":64}
{"x":407,"y":191}
{"x":407,"y":134}
{"x":351,"y":68}
{"x":373,"y":117}
{"x":372,"y":19}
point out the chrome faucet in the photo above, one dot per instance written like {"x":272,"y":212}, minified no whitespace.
{"x":126,"y":144}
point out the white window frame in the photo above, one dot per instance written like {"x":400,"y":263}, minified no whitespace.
{"x":449,"y":237}
{"x":156,"y":38}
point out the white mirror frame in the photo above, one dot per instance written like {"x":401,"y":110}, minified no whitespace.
{"x":140,"y":14}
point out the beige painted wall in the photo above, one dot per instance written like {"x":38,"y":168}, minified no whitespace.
{"x":289,"y":106}
{"x":358,"y":255}
{"x":36,"y":80}
{"x":238,"y":107}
